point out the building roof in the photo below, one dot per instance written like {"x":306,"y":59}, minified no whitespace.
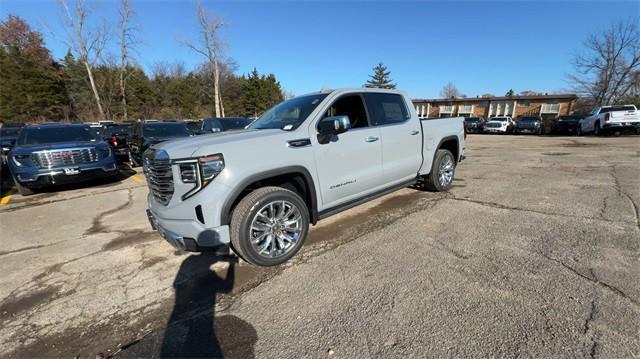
{"x":569,"y":96}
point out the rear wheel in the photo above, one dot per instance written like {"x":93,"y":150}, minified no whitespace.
{"x":269,"y":226}
{"x":442,"y":171}
{"x":22,"y":189}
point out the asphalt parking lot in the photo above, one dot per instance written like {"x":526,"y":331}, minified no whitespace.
{"x":533,"y":253}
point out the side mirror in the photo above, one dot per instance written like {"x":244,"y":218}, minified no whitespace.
{"x":334,"y":125}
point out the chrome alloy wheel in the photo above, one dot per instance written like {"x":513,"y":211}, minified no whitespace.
{"x":275,"y":229}
{"x":445,"y":170}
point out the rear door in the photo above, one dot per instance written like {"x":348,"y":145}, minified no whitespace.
{"x":400,"y":135}
{"x":349,"y":166}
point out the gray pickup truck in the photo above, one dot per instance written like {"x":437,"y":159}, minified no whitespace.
{"x":257,"y":190}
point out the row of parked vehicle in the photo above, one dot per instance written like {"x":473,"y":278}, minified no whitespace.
{"x":41,"y":155}
{"x":612,"y":119}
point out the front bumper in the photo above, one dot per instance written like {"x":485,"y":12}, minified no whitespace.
{"x":34,"y":176}
{"x":494,"y":130}
{"x":189,"y":234}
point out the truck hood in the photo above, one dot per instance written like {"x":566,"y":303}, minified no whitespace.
{"x":215,"y":142}
{"x":57,"y":146}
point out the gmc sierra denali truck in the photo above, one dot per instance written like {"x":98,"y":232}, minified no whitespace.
{"x":610,"y":118}
{"x":257,"y":190}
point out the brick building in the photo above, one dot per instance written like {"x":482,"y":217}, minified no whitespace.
{"x":546,"y":106}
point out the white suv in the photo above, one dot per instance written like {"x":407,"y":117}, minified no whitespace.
{"x":503,"y":124}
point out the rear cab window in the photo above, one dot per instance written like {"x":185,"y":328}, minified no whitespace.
{"x":386,"y":109}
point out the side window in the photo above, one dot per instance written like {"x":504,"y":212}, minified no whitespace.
{"x":351,"y":106}
{"x":386,"y":109}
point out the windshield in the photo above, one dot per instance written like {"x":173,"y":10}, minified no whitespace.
{"x":10,"y":132}
{"x":290,"y":114}
{"x":617,"y":108}
{"x":501,"y":119}
{"x":41,"y":135}
{"x":472,"y":119}
{"x":568,"y":118}
{"x":494,"y":124}
{"x":528,"y":119}
{"x":165,"y":130}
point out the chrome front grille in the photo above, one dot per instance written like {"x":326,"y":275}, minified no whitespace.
{"x":159,"y":177}
{"x":59,"y":158}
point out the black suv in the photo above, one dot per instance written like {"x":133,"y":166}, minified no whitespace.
{"x":145,"y":134}
{"x":224,"y":124}
{"x":474,"y":124}
{"x":117,"y":137}
{"x":529,"y":124}
{"x":565,"y":125}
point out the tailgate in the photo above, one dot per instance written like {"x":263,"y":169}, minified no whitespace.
{"x":624,"y":116}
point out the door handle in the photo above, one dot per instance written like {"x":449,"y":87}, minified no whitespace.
{"x":372,"y":139}
{"x":414,"y":132}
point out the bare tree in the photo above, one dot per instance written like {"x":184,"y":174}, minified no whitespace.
{"x":609,"y":68}
{"x":450,"y":91}
{"x":210,"y":46}
{"x":127,"y":41}
{"x":86,"y":44}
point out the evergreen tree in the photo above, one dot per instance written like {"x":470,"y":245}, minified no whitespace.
{"x":260,"y":93}
{"x":380,"y":78}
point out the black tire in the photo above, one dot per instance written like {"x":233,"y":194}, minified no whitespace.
{"x":431,"y":181}
{"x":596,"y":129}
{"x":247,"y":209}
{"x":22,"y":189}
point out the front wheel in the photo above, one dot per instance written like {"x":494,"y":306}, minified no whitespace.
{"x":442,"y":171}
{"x":132,"y":161}
{"x":579,"y":130}
{"x":269,"y":226}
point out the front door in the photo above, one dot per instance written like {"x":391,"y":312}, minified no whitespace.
{"x":350,"y":165}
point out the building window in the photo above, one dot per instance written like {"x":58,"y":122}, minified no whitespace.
{"x":524,"y":103}
{"x":483,"y":104}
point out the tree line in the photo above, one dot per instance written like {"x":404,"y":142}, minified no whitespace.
{"x":88,"y":84}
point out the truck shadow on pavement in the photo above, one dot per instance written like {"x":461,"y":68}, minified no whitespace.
{"x":193,"y":331}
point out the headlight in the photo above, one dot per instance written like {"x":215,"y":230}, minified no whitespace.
{"x":19,"y":160}
{"x":104,"y":151}
{"x":200,"y":171}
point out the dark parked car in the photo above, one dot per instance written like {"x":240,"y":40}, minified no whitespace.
{"x":529,"y":124}
{"x":145,"y":134}
{"x":195,"y":127}
{"x":565,"y":125}
{"x":474,"y":124}
{"x":8,"y":137}
{"x":224,"y":124}
{"x":118,"y":138}
{"x":58,"y":153}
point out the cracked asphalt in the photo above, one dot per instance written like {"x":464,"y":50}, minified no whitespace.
{"x":533,"y":253}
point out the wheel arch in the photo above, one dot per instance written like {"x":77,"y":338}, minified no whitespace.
{"x":295,"y":178}
{"x":451,"y":143}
